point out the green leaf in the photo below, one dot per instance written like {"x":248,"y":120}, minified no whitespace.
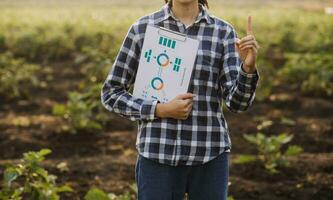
{"x":271,"y":167}
{"x":287,"y":121}
{"x":244,"y":159}
{"x":43,"y":173}
{"x":284,"y":138}
{"x":134,"y":188}
{"x":260,"y":137}
{"x":64,"y":188}
{"x":125,"y":196}
{"x":293,"y":150}
{"x":250,"y":138}
{"x":59,"y":110}
{"x":10,"y":175}
{"x":94,"y":125}
{"x":44,"y":152}
{"x":96,"y":194}
{"x":265,"y":124}
{"x":230,"y":198}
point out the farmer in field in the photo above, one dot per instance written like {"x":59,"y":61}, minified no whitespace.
{"x":184,"y":144}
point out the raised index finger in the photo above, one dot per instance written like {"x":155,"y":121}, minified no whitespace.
{"x":249,"y":26}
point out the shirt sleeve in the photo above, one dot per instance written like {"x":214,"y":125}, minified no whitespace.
{"x":238,"y":87}
{"x":115,"y":96}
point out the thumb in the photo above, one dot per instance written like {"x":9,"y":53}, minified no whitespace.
{"x":237,"y":43}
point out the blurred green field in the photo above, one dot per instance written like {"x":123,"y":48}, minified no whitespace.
{"x":55,"y":30}
{"x":55,"y":54}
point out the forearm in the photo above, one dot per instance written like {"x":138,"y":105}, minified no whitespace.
{"x":242,"y":94}
{"x":249,"y":69}
{"x":162,"y":110}
{"x":121,"y":102}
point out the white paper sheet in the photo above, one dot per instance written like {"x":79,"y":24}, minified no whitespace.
{"x":166,"y":64}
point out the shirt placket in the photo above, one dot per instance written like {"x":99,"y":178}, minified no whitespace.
{"x":181,"y":26}
{"x":178,"y":142}
{"x":177,"y":147}
{"x":182,"y":29}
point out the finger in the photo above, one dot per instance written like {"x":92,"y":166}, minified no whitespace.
{"x":189,"y":111}
{"x":185,"y":96}
{"x":249,"y":43}
{"x":249,"y":25}
{"x":187,"y":102}
{"x":250,"y":47}
{"x":184,"y":117}
{"x":253,"y":42}
{"x":247,"y":38}
{"x":189,"y":107}
{"x":238,"y":41}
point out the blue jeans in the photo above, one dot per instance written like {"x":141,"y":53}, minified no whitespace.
{"x":157,"y":181}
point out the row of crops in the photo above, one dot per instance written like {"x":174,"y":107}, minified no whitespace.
{"x":296,"y":54}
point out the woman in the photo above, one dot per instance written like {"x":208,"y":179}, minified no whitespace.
{"x":184,"y":144}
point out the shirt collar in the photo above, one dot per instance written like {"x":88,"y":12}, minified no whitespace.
{"x":167,"y":13}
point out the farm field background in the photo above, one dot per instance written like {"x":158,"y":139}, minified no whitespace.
{"x":54,"y":56}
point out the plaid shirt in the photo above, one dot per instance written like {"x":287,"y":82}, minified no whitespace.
{"x":217,"y":76}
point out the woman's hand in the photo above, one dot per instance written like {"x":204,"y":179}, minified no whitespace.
{"x":247,"y":48}
{"x":178,"y":108}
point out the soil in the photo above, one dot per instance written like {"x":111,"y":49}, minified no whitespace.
{"x":107,"y":160}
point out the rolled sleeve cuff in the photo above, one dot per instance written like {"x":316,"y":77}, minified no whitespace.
{"x":248,"y":79}
{"x":148,"y":109}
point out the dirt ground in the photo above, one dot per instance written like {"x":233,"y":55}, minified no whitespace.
{"x":107,"y":160}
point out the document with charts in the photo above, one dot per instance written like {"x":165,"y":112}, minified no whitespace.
{"x":166,"y":64}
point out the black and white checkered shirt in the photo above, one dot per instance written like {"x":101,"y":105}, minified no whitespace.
{"x":217,"y":76}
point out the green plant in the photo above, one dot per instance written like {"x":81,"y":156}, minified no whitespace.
{"x":16,"y":76}
{"x":83,"y":111}
{"x":32,"y":181}
{"x":42,"y":42}
{"x":269,"y":150}
{"x":125,"y":196}
{"x":312,"y":73}
{"x":95,"y":64}
{"x":97,"y":194}
{"x":287,"y":121}
{"x":231,"y":198}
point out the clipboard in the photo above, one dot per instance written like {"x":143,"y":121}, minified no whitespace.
{"x":166,"y":63}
